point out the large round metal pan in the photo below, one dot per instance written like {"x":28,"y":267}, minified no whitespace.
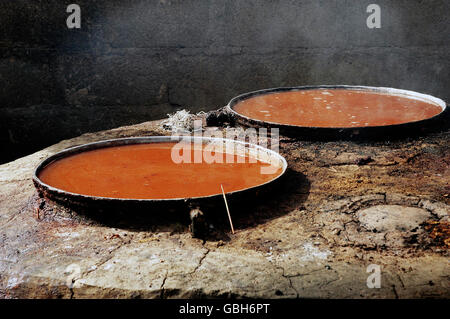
{"x":436,"y":122}
{"x":73,"y":199}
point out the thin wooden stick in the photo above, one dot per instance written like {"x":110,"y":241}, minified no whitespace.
{"x":228,"y":211}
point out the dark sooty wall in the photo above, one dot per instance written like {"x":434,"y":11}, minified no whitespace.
{"x":134,"y":60}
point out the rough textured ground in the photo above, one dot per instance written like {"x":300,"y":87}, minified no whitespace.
{"x":342,"y":207}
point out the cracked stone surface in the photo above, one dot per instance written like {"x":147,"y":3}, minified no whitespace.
{"x":314,"y":237}
{"x":384,"y":218}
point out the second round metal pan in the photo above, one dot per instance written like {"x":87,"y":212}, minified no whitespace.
{"x":437,"y":122}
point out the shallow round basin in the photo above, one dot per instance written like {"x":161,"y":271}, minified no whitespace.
{"x":333,"y":109}
{"x":163,"y":168}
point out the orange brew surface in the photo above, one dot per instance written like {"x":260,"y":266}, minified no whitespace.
{"x":146,"y":171}
{"x":335,"y":108}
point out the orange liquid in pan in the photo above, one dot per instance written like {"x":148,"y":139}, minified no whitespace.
{"x":335,"y":108}
{"x":146,"y":171}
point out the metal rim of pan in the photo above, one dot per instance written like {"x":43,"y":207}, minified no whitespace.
{"x":51,"y":192}
{"x":339,"y":132}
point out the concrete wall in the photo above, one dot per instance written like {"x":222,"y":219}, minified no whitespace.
{"x":137,"y":60}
